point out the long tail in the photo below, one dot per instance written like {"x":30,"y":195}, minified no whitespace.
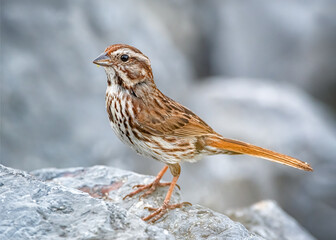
{"x":245,"y":148}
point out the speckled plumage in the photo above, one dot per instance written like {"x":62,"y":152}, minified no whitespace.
{"x":158,"y":127}
{"x":155,"y":125}
{"x":145,"y":126}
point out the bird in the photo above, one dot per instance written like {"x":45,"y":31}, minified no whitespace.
{"x":160,"y":128}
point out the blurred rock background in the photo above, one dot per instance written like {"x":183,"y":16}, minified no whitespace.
{"x":259,"y":71}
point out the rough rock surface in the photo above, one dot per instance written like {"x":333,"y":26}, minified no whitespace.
{"x":195,"y":222}
{"x":86,"y":203}
{"x":33,"y":209}
{"x":268,"y":220}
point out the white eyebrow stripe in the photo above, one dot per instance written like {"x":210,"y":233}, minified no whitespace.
{"x":141,"y":56}
{"x":132,"y":53}
{"x":123,"y":50}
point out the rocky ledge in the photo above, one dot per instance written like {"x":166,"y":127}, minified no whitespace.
{"x":86,"y":203}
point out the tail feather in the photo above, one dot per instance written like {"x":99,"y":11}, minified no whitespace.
{"x":249,"y":149}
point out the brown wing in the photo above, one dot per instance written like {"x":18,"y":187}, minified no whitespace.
{"x":169,"y":118}
{"x":165,"y":117}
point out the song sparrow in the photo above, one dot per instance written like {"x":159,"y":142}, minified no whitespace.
{"x":158,"y":127}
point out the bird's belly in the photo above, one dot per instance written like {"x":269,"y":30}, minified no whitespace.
{"x":158,"y":148}
{"x":170,"y":151}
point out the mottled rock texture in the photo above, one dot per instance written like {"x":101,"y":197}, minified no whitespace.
{"x":269,"y":221}
{"x":195,"y":222}
{"x":33,"y":209}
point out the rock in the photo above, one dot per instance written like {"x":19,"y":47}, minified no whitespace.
{"x":268,"y":220}
{"x":194,"y":222}
{"x":34,"y":209}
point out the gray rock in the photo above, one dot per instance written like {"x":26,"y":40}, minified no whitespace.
{"x":194,"y":222}
{"x":32,"y":209}
{"x":86,"y":203}
{"x":269,"y":221}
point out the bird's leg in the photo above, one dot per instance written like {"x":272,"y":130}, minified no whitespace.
{"x":151,"y":186}
{"x":159,"y":212}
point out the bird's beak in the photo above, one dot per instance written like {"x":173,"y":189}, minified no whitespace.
{"x":103,"y":60}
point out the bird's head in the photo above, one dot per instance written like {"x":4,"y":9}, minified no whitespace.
{"x":125,"y":65}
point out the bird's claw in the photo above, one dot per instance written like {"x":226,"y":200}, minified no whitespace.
{"x":159,"y":212}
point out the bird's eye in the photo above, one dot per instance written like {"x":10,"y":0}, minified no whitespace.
{"x":124,"y":57}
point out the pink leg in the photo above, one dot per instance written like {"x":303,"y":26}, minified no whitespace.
{"x":159,"y":212}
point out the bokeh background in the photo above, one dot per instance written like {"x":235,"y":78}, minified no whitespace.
{"x":258,"y":71}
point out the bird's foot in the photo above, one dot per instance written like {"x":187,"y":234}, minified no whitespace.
{"x":159,"y":212}
{"x":149,"y":187}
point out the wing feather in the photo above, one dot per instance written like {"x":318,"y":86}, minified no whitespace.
{"x":170,"y":119}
